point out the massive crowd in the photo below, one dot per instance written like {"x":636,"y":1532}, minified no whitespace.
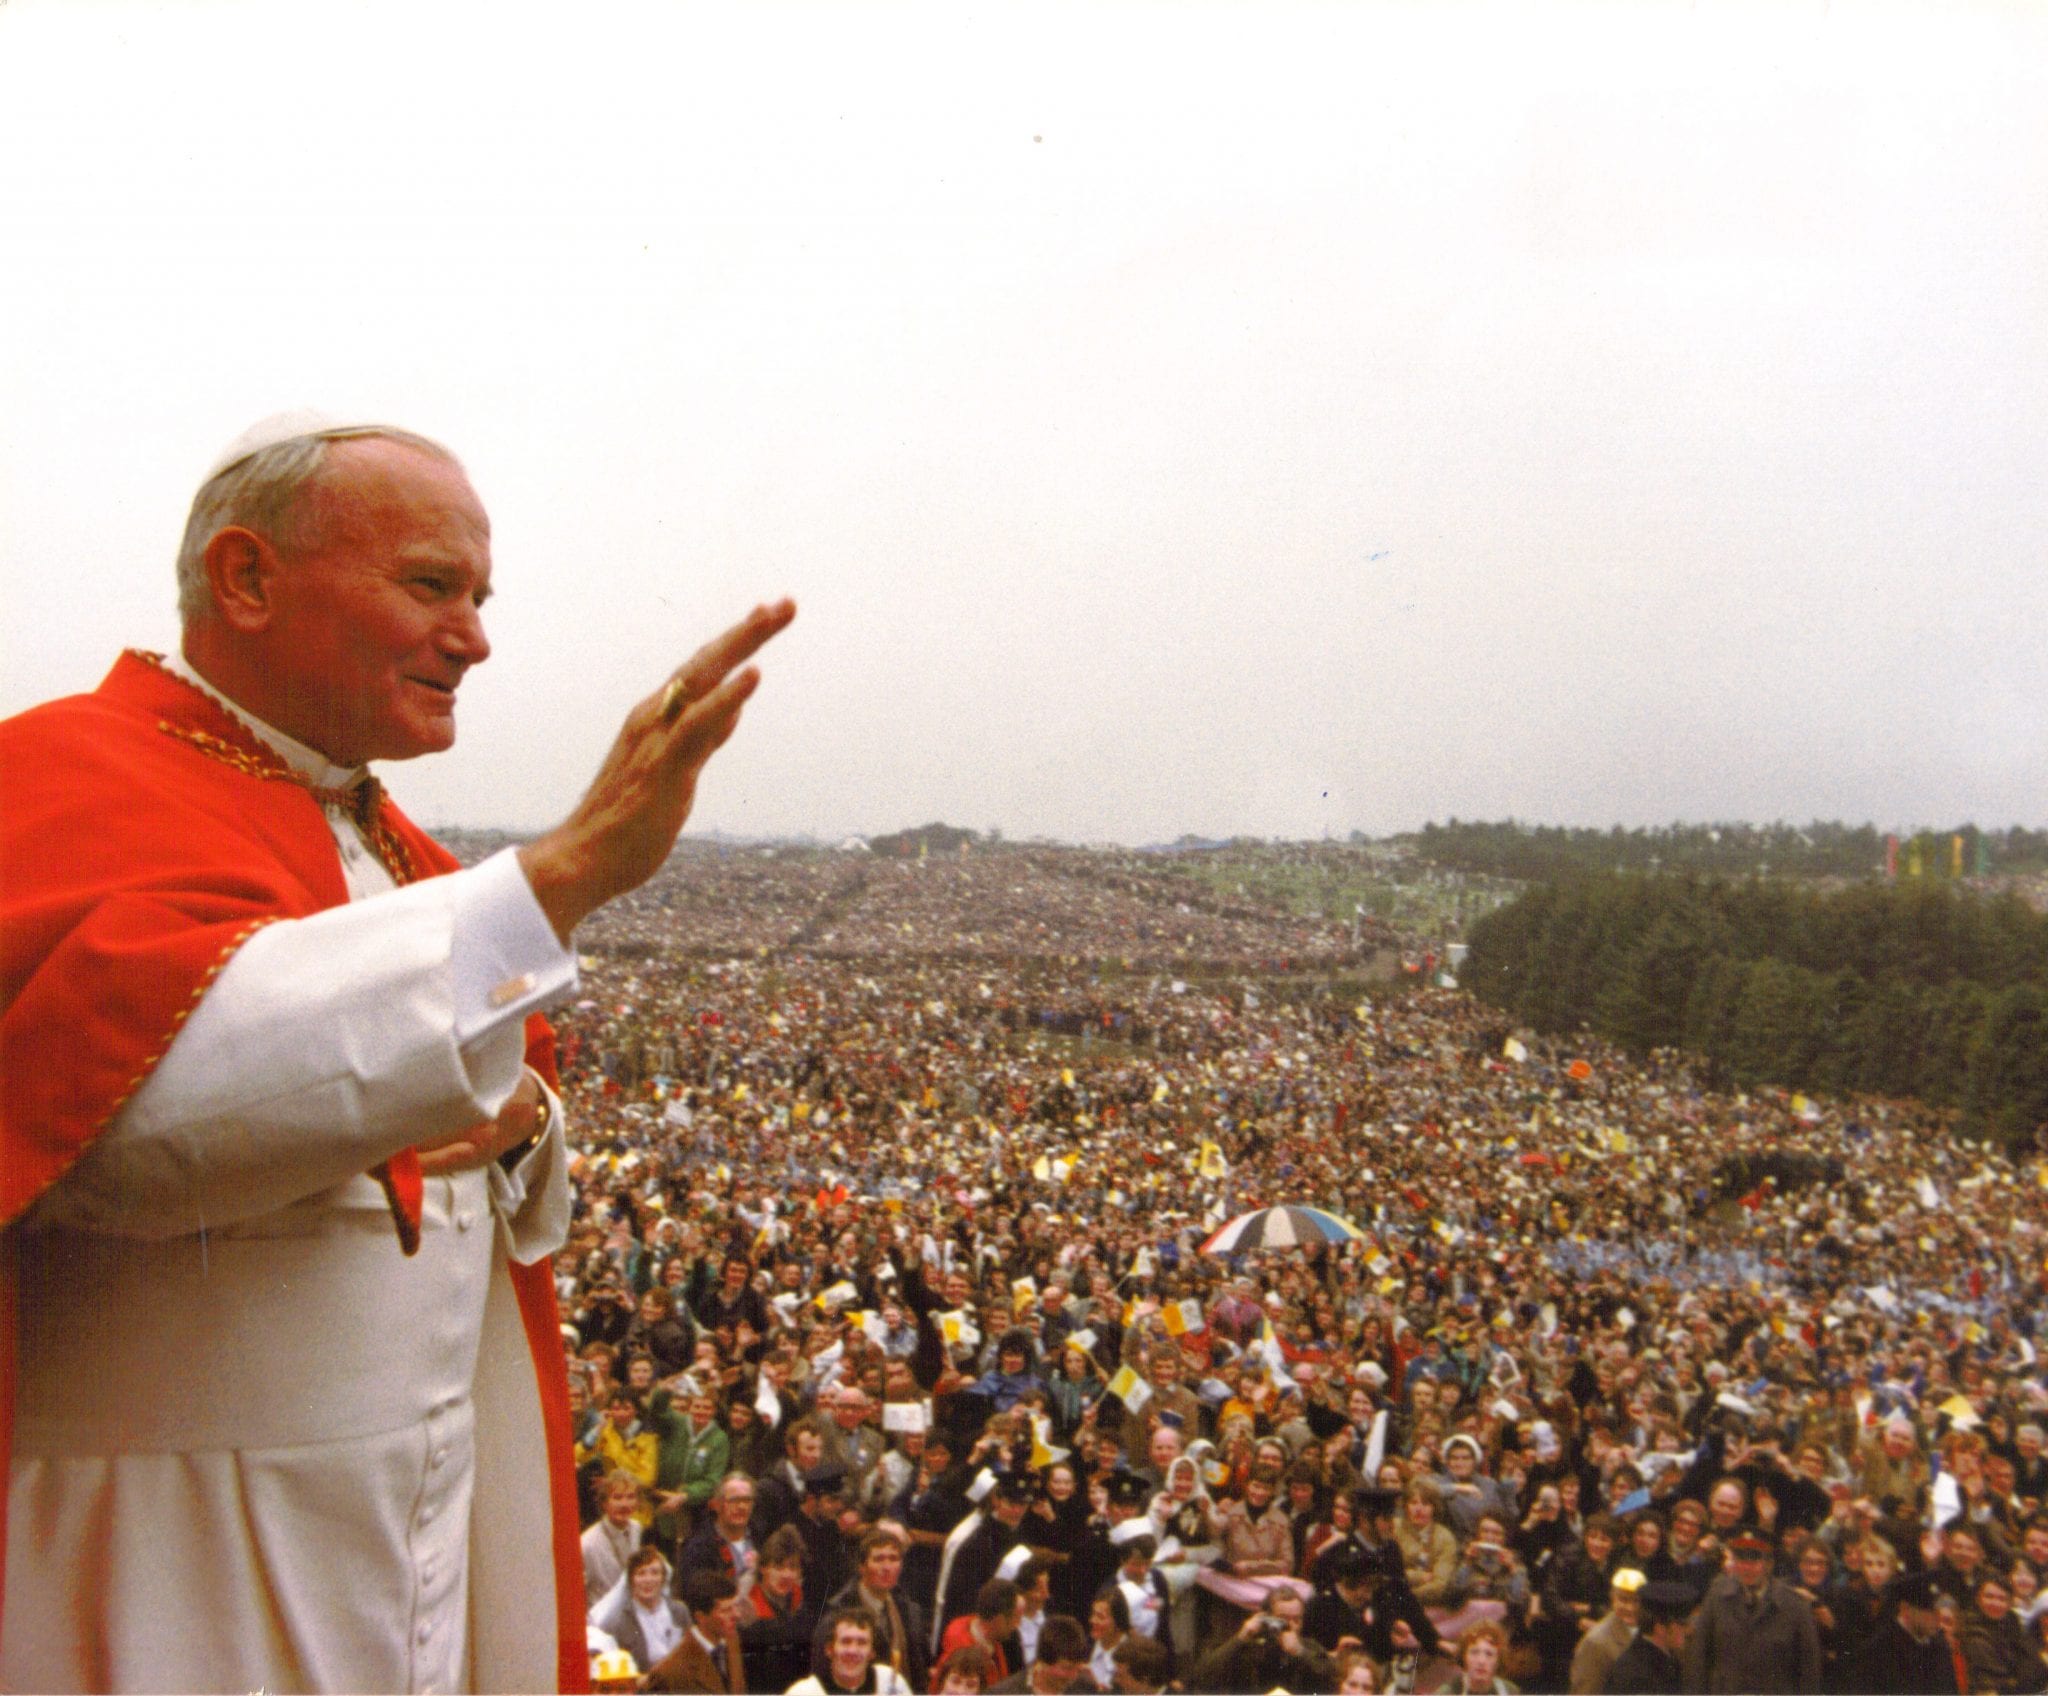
{"x":1004,"y":906}
{"x":899,"y":1361}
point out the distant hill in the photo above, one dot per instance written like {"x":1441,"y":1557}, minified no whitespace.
{"x":928,"y":839}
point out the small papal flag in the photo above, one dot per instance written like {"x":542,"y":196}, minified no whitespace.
{"x":1130,"y":1389}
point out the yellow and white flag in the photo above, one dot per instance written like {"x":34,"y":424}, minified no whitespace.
{"x":1130,"y":1389}
{"x":1043,"y":1454}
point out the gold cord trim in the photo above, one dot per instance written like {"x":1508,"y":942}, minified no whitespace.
{"x":363,"y":802}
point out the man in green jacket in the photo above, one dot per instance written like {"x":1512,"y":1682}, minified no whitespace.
{"x":694,"y":1457}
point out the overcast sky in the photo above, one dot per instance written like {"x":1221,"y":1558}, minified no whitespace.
{"x":1232,"y":418}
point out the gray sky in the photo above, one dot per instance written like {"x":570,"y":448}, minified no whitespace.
{"x":1230,"y":418}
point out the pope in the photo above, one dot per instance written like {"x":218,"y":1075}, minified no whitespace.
{"x":251,"y":1020}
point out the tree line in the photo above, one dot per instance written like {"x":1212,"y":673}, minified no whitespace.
{"x":1538,"y":853}
{"x":1916,"y":988}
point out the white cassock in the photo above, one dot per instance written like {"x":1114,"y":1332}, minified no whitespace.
{"x":256,"y":1446}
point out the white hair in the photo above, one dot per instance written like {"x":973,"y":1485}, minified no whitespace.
{"x":260,"y":492}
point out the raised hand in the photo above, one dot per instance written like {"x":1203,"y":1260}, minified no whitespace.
{"x":626,"y":824}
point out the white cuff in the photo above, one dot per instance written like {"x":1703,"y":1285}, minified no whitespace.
{"x":505,"y":959}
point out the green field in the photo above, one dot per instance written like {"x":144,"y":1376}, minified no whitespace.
{"x":1331,"y":883}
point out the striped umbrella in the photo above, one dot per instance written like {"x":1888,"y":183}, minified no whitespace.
{"x":1280,"y":1227}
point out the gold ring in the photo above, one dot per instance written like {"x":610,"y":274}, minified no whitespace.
{"x":672,"y":699}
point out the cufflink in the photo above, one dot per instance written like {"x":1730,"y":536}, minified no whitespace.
{"x":512,"y":989}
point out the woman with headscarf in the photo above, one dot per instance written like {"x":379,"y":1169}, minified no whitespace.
{"x":1464,"y":1489}
{"x":1185,"y":1521}
{"x":638,"y":1614}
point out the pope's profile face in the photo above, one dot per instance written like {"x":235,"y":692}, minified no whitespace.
{"x":376,"y":612}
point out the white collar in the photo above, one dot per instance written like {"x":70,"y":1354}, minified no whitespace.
{"x":309,"y":763}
